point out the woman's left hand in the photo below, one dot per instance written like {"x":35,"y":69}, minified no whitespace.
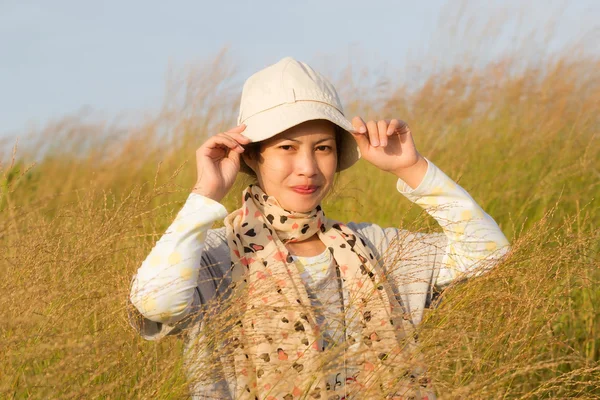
{"x":387,"y":144}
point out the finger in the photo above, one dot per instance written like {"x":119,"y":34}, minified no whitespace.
{"x":392,"y":127}
{"x":238,"y":137}
{"x":361,"y":140}
{"x":238,"y":129}
{"x":241,"y":138}
{"x":222,"y":140}
{"x":235,"y":156}
{"x":382,"y":126}
{"x":359,"y":124}
{"x":397,"y":126}
{"x":373,"y":134}
{"x":233,"y":144}
{"x":405,"y":134}
{"x":235,"y":133}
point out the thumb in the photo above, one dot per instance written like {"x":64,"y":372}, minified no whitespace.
{"x":361,"y":140}
{"x":234,"y":156}
{"x":360,"y":133}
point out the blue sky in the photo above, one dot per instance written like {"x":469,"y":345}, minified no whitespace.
{"x":112,"y":57}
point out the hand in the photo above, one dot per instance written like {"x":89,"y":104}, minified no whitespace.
{"x":388,"y":145}
{"x":218,"y":163}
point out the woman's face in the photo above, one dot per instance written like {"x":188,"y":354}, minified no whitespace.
{"x":298,"y":165}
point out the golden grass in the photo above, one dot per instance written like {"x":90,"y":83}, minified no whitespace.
{"x":76,"y":225}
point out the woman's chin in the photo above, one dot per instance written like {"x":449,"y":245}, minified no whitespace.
{"x":301,"y":208}
{"x":302,"y":205}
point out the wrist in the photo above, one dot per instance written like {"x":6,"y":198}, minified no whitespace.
{"x":413,"y":175}
{"x":211,"y":194}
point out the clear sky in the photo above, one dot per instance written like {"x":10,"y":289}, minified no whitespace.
{"x":59,"y":57}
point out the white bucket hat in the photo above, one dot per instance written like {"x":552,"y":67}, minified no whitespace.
{"x":286,"y":94}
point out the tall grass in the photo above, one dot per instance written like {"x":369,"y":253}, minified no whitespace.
{"x":82,"y":205}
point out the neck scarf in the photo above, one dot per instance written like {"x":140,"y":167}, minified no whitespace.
{"x":276,"y":343}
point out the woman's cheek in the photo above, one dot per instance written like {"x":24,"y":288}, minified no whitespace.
{"x":273,"y":170}
{"x":329,"y":168}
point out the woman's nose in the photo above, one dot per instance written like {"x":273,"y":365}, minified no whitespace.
{"x":306,"y":164}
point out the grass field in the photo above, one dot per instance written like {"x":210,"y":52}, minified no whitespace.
{"x":524,"y":142}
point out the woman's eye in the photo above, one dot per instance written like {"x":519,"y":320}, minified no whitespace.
{"x":324,"y":148}
{"x":286,"y":147}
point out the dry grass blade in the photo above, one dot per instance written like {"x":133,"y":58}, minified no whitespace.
{"x":77,"y":225}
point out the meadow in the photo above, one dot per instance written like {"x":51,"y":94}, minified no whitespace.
{"x":82,"y":203}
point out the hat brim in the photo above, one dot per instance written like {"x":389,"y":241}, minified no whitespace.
{"x":271,"y":122}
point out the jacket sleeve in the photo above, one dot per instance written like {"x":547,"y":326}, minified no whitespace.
{"x":471,"y":244}
{"x":415,"y":262}
{"x":164,"y":289}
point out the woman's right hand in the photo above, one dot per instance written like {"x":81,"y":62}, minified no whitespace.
{"x":218,"y":163}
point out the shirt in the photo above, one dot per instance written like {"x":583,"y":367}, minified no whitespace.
{"x":188,"y":268}
{"x":324,"y":291}
{"x":323,"y":287}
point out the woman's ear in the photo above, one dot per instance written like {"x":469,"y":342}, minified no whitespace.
{"x":250,"y":159}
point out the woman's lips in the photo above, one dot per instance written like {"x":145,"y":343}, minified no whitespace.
{"x":305,"y":189}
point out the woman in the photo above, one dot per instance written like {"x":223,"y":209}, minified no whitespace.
{"x":303,"y":306}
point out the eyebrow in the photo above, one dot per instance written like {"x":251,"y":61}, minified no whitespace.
{"x":317,"y":142}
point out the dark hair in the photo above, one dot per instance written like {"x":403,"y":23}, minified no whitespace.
{"x":253,"y":149}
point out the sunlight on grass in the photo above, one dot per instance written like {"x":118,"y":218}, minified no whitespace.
{"x":76,"y":225}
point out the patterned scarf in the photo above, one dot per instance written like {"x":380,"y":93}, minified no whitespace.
{"x":276,"y":344}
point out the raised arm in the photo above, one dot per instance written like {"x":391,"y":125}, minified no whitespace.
{"x":164,"y":286}
{"x":471,"y":235}
{"x":473,"y":241}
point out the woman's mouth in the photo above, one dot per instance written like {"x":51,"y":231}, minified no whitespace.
{"x":305,"y":189}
